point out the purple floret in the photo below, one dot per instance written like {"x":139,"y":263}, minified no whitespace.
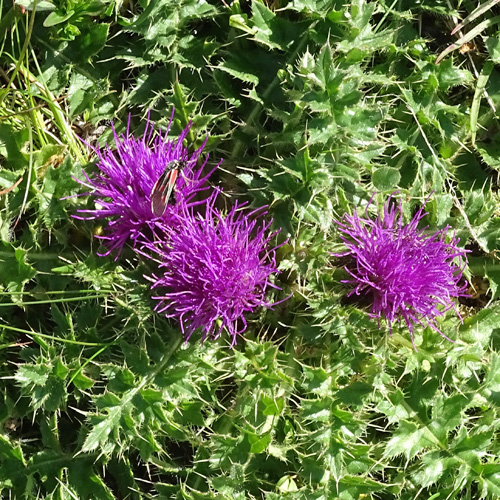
{"x":407,"y":274}
{"x":216,"y":268}
{"x":128,"y":172}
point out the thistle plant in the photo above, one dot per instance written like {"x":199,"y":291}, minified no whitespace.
{"x":408,"y":274}
{"x":128,"y":174}
{"x":215,"y":269}
{"x":312,"y":104}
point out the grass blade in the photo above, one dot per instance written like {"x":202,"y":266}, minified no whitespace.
{"x":481,"y":9}
{"x":468,"y":37}
{"x":476,"y":102}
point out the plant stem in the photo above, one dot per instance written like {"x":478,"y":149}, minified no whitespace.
{"x":239,"y":144}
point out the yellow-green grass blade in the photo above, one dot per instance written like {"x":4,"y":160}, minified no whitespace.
{"x":468,"y":37}
{"x":476,"y":102}
{"x":481,"y":9}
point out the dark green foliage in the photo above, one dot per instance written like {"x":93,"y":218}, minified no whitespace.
{"x":314,"y":106}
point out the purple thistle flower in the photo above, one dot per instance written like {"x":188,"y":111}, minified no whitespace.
{"x":216,"y":269}
{"x":128,"y":173}
{"x":407,"y":274}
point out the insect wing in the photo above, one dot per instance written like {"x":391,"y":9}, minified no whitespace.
{"x":162,"y":190}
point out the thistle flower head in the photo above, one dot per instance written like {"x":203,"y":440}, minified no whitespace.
{"x":216,"y":268}
{"x":127,"y":174}
{"x":408,"y":274}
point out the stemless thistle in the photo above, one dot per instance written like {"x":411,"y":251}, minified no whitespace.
{"x":129,"y":173}
{"x":407,"y":274}
{"x":216,"y":268}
